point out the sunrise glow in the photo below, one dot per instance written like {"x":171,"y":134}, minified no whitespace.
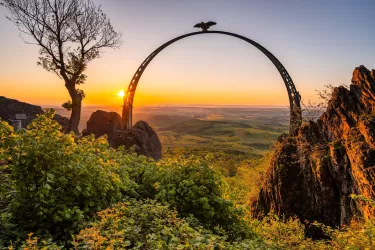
{"x":203,"y":70}
{"x":121,"y":93}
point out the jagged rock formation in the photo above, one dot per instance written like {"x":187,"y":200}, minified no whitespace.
{"x":10,"y":109}
{"x":141,"y":135}
{"x":314,"y":170}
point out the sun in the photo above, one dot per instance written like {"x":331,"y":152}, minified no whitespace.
{"x":121,"y":93}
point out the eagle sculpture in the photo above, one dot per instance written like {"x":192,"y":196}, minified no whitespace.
{"x":204,"y":26}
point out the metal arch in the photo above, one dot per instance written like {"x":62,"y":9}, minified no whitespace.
{"x":293,"y":94}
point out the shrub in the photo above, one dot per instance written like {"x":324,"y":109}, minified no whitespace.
{"x":279,"y":233}
{"x":358,"y":235}
{"x":282,"y":233}
{"x":52,"y":182}
{"x":149,"y":225}
{"x":193,"y":188}
{"x":34,"y":243}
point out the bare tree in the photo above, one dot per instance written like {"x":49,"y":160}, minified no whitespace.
{"x":70,"y":34}
{"x":313,"y":110}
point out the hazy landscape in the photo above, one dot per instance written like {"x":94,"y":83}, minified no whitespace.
{"x":245,"y":125}
{"x":246,"y":129}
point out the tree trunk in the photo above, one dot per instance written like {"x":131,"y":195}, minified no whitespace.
{"x":75,"y":116}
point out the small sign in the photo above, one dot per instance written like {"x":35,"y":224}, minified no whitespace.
{"x":21,"y":116}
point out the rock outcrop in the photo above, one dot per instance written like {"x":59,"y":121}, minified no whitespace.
{"x":141,"y":136}
{"x":315,"y":170}
{"x":63,"y":121}
{"x":11,"y":110}
{"x":103,"y":123}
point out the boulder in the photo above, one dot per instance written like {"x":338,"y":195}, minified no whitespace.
{"x":142,"y":137}
{"x":314,"y":170}
{"x":63,"y":121}
{"x":103,"y":123}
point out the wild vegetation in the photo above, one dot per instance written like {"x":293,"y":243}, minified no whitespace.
{"x":58,"y":191}
{"x":313,"y":110}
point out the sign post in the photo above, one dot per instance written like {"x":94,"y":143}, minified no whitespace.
{"x":21,"y":117}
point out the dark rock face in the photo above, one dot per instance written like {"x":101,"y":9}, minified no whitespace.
{"x":11,"y":109}
{"x":102,"y":122}
{"x":143,"y":137}
{"x":63,"y":121}
{"x":314,"y":170}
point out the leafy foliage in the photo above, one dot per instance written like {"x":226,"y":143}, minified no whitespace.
{"x":53,"y":184}
{"x":147,"y":225}
{"x":67,"y":105}
{"x":193,"y":188}
{"x":53,"y":181}
{"x":34,"y":243}
{"x":282,"y":234}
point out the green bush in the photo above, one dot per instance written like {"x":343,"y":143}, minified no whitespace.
{"x":53,"y":184}
{"x":194,"y":189}
{"x":282,"y":233}
{"x":150,"y":225}
{"x":52,"y":181}
{"x":34,"y":243}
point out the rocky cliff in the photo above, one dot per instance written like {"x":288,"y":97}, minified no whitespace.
{"x":315,"y":169}
{"x":11,"y":110}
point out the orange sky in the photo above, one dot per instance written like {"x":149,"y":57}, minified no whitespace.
{"x":311,"y":40}
{"x":169,"y":79}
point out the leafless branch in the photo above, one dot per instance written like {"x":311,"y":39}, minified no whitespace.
{"x":70,"y":33}
{"x":313,"y":110}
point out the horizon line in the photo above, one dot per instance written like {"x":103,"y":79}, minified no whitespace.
{"x":175,"y":106}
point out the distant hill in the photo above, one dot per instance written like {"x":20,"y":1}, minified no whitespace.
{"x":197,"y":126}
{"x":192,"y":126}
{"x":160,"y":120}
